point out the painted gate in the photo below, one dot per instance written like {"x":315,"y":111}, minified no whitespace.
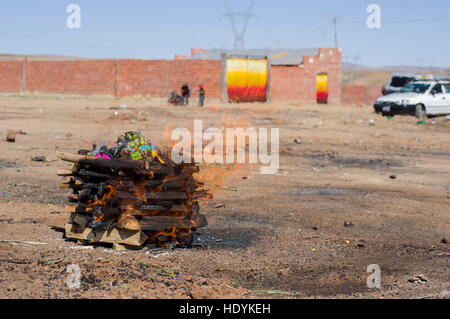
{"x":322,"y":88}
{"x":247,"y":79}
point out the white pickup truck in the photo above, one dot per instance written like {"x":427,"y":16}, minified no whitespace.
{"x":421,"y":98}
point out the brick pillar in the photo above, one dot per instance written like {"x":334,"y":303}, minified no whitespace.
{"x":223,"y":79}
{"x":269,"y":69}
{"x":116,"y":77}
{"x":24,"y":74}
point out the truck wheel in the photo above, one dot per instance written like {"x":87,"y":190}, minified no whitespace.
{"x":420,"y":111}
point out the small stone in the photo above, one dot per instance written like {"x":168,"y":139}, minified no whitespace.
{"x":11,"y":136}
{"x":393,"y":177}
{"x":348,"y":224}
{"x":445,"y":294}
{"x":418,"y":278}
{"x":40,"y":158}
{"x":443,"y":241}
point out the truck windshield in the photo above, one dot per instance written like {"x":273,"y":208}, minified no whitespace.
{"x":415,"y":88}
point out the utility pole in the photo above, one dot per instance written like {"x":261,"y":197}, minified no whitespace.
{"x":335,"y":33}
{"x":241,"y":18}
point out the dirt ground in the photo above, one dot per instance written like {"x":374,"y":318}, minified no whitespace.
{"x":274,"y":236}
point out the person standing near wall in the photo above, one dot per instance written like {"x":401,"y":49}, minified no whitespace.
{"x":186,"y":93}
{"x":201,"y":97}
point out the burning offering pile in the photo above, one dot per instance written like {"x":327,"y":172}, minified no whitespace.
{"x":131,"y":194}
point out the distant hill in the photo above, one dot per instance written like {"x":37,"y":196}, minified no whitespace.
{"x":364,"y":75}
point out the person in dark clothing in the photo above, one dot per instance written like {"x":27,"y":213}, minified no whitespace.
{"x":186,"y":93}
{"x":175,"y":99}
{"x":201,"y":97}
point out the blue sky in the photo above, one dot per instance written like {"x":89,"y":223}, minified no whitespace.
{"x":412,"y":32}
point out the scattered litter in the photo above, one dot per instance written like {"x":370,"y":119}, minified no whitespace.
{"x":275,"y":292}
{"x":229,"y":188}
{"x":18,"y":185}
{"x":418,"y":279}
{"x":40,"y":158}
{"x":313,"y":250}
{"x":347,"y":241}
{"x":7,"y":241}
{"x":170,"y":272}
{"x":298,"y":141}
{"x":360,"y":244}
{"x":389,"y":118}
{"x":219,"y":269}
{"x":443,"y":241}
{"x":320,"y":191}
{"x":429,"y":296}
{"x":393,"y":177}
{"x":119,"y":107}
{"x":421,"y":122}
{"x":219,"y":205}
{"x":82,"y":247}
{"x":348,"y":224}
{"x":372,"y":122}
{"x":433,"y":121}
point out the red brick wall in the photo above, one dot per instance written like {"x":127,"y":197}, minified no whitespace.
{"x":360,"y":94}
{"x":299,"y":82}
{"x":72,"y":77}
{"x":10,"y":76}
{"x":373,"y":93}
{"x":157,"y":78}
{"x":354,"y":94}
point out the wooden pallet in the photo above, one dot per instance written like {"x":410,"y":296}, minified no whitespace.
{"x":115,"y":236}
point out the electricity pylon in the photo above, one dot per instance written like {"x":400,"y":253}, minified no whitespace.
{"x":239,"y":19}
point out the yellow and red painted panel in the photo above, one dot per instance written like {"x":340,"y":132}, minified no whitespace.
{"x":247,"y":79}
{"x":322,"y":88}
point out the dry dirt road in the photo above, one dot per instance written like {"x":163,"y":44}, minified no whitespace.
{"x":276,"y":236}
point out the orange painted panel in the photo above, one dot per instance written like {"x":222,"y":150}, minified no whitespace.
{"x":322,"y":88}
{"x":247,"y":79}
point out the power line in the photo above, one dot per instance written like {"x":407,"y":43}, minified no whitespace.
{"x":402,"y":21}
{"x":307,"y":35}
{"x":28,"y":39}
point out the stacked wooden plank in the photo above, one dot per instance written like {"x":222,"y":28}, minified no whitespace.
{"x":131,"y":202}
